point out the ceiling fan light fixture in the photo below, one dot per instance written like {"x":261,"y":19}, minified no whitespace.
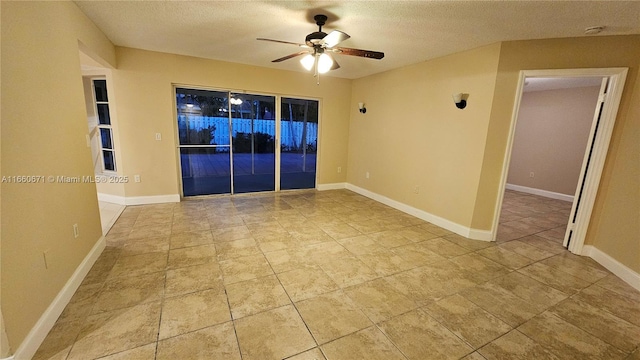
{"x":325,"y":62}
{"x":307,"y":61}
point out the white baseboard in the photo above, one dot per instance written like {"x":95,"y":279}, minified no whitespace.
{"x":334,"y":186}
{"x":36,"y":336}
{"x":539,"y":192}
{"x":620,"y":270}
{"x":139,"y":200}
{"x":12,"y":357}
{"x":475,"y":234}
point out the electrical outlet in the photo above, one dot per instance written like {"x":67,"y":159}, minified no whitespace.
{"x":136,"y":178}
{"x":366,"y":175}
{"x":158,"y":136}
{"x":339,"y":169}
{"x":531,"y":174}
{"x":76,"y":232}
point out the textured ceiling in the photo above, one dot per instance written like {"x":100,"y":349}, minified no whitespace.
{"x":407,"y":32}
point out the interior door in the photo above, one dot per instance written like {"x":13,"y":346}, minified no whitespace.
{"x":253,"y":126}
{"x":575,"y":208}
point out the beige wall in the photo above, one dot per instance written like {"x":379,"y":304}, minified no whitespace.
{"x":587,"y":52}
{"x":551,"y":138}
{"x":43,"y":133}
{"x":414,"y":136}
{"x":145,"y":106}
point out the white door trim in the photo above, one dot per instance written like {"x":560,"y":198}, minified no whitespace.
{"x":617,"y":77}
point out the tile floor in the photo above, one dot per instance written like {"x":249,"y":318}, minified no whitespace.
{"x":109,"y":213}
{"x":334,"y":275}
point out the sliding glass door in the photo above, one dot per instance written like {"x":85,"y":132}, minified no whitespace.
{"x":254,"y":142}
{"x":227,"y":142}
{"x":299,"y":143}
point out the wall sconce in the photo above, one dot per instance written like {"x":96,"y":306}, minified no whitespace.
{"x":460,"y":102}
{"x":362,"y":108}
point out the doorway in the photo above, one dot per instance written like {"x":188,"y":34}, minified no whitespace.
{"x":593,"y":154}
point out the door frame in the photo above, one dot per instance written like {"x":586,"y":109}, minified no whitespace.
{"x":591,"y":181}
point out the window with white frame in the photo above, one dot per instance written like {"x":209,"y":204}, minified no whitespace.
{"x":104,"y":125}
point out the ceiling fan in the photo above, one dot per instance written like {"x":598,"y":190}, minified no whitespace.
{"x":318,"y":46}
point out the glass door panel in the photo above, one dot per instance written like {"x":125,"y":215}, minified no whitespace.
{"x":254,"y":132}
{"x":204,"y":141}
{"x":299,"y":143}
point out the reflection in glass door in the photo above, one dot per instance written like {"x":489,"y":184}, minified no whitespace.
{"x":254,"y":137}
{"x":204,"y":141}
{"x":299,"y":143}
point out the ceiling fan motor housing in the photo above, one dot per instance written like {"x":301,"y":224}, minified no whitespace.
{"x":314,"y":38}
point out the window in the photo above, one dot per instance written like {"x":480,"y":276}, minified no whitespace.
{"x":104,"y":125}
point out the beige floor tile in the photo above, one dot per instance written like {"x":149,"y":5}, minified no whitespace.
{"x":368,"y":344}
{"x":257,"y":295}
{"x":347,"y":271}
{"x":430,"y":282}
{"x":468,"y":321}
{"x":218,"y":222}
{"x":521,"y":247}
{"x":390,"y":239}
{"x":474,"y":356}
{"x":416,"y":234}
{"x":139,"y":264}
{"x":478,"y":268}
{"x":189,"y":256}
{"x":603,"y":325}
{"x":619,"y":286}
{"x":501,"y":303}
{"x":331,"y":316}
{"x":215,"y":342}
{"x":150,"y":231}
{"x":416,"y":334}
{"x":244,"y":268}
{"x":59,"y":341}
{"x":116,"y":331}
{"x":129,"y":291}
{"x":237,"y":248}
{"x":558,"y":280}
{"x":81,"y":303}
{"x":567,"y":341}
{"x":445,"y":248}
{"x":230,"y":233}
{"x":313,"y":354}
{"x":517,"y":346}
{"x":191,"y":238}
{"x":435,"y":229}
{"x":618,"y":305}
{"x":580,"y":267}
{"x":360,"y":245}
{"x":468,"y":243}
{"x":289,"y":259}
{"x":273,"y":334}
{"x":146,"y":352}
{"x":143,"y":246}
{"x":339,"y":230}
{"x":530,"y":290}
{"x":304,"y":283}
{"x":269,"y":243}
{"x":385,"y":262}
{"x":505,"y":257}
{"x":194,"y":278}
{"x":554,"y":246}
{"x":187,"y":225}
{"x":415,"y":255}
{"x":379,"y":300}
{"x":182,"y":314}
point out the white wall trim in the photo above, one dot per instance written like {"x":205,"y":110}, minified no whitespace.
{"x":36,"y":336}
{"x":333,"y":186}
{"x":114,"y":199}
{"x":421,"y":214}
{"x":156,"y":199}
{"x":540,"y":192}
{"x":617,"y":268}
{"x":139,"y":200}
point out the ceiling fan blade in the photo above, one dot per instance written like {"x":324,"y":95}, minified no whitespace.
{"x":290,"y":56}
{"x":334,"y":38}
{"x":283,"y":42}
{"x":359,"y":52}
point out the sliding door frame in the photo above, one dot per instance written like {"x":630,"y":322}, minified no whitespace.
{"x":278,"y":117}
